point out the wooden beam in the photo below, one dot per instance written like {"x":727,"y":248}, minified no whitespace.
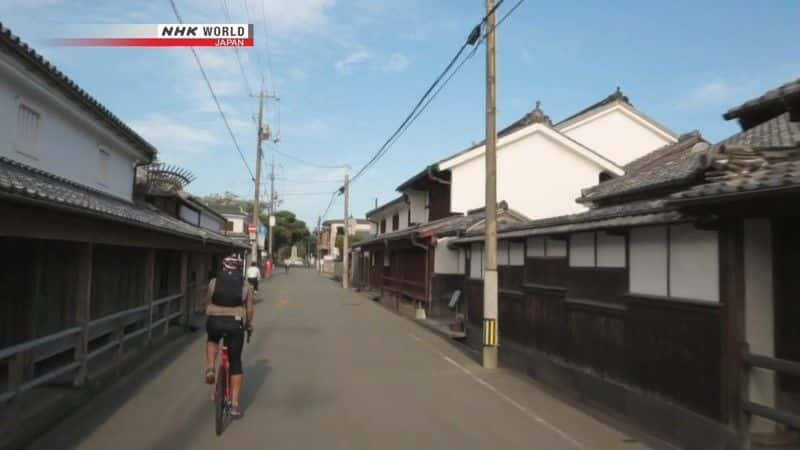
{"x":149,"y":289}
{"x":731,"y":258}
{"x":83,"y":308}
{"x":39,"y":223}
{"x":186,"y":300}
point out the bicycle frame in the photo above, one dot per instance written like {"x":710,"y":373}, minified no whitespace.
{"x":224,"y":365}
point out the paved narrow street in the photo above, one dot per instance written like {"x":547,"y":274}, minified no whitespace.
{"x":329,"y":369}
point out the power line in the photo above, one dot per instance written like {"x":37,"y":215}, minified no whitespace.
{"x":214,"y":96}
{"x":457,"y":68}
{"x":290,"y":180}
{"x":297,"y":194}
{"x":266,"y":45}
{"x":303,"y":161}
{"x":236,"y":50}
{"x":330,"y":203}
{"x":475,"y":38}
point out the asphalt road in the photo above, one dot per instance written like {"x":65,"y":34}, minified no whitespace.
{"x":329,"y":369}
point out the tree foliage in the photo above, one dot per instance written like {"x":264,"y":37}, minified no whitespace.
{"x":288,"y":229}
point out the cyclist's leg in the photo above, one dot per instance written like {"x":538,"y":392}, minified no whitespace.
{"x":214,"y":335}
{"x":235,"y":343}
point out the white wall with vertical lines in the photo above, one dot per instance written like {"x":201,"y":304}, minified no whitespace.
{"x":445,"y":259}
{"x":693,"y":263}
{"x":535,"y":247}
{"x":516,"y":253}
{"x":556,"y":248}
{"x":648,"y":261}
{"x":502,"y":253}
{"x":476,"y":261}
{"x":581,"y":250}
{"x":610,"y":250}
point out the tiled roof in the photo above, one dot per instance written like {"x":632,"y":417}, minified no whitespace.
{"x":388,"y":204}
{"x":27,"y":53}
{"x":615,"y":96}
{"x":669,"y":165}
{"x":763,"y":158}
{"x":773,"y":177}
{"x":776,"y":133}
{"x":768,"y":99}
{"x":626,"y":215}
{"x":29,"y":184}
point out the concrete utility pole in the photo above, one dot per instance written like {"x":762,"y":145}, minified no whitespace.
{"x":346,"y":238}
{"x":271,"y":207}
{"x":261,"y":135}
{"x":490,"y":325}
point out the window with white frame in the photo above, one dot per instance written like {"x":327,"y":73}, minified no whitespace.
{"x":597,"y":249}
{"x":678,"y":261}
{"x":476,"y":261}
{"x":28,"y":130}
{"x":103,"y":166}
{"x":540,"y":247}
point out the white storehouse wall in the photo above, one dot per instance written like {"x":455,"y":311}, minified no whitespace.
{"x":531,"y":177}
{"x":69,"y":140}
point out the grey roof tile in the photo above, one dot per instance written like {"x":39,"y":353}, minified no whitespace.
{"x":765,"y":100}
{"x":775,"y":133}
{"x":667,"y":166}
{"x":26,"y":182}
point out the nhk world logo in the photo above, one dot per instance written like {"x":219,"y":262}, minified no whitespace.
{"x":164,"y":35}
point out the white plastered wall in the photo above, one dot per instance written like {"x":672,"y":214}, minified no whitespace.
{"x":448,"y":260}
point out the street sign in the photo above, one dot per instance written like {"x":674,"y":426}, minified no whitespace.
{"x":251,"y":228}
{"x":272,"y":221}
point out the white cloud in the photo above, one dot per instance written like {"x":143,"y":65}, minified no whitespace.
{"x":297,"y":74}
{"x":397,"y":62}
{"x":345,"y":65}
{"x":174,"y":137}
{"x":712,"y":93}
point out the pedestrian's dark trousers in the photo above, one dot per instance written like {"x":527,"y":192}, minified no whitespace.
{"x":253,"y":282}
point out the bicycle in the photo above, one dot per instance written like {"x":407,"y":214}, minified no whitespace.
{"x":221,"y":393}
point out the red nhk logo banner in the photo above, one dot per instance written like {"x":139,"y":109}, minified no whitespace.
{"x":165,"y":35}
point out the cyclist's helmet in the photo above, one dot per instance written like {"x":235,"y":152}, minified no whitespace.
{"x":232,"y":263}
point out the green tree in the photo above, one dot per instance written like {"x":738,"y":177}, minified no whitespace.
{"x":288,"y":231}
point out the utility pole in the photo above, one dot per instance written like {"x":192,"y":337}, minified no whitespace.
{"x":262,"y":133}
{"x":318,"y":262}
{"x":271,"y":207}
{"x":490,"y":325}
{"x":346,"y":238}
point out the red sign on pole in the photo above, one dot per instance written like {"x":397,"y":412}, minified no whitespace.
{"x":251,"y":229}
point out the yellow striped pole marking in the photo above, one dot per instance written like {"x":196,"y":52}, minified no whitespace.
{"x":490,"y":332}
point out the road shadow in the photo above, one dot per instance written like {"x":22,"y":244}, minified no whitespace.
{"x":106,"y":400}
{"x":255,"y":375}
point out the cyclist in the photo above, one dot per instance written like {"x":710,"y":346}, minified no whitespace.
{"x":229,"y":311}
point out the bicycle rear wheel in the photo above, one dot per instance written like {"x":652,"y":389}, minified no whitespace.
{"x":221,"y":401}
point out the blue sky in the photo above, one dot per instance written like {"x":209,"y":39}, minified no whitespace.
{"x":347,"y":72}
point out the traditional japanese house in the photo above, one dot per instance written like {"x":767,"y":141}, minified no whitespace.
{"x":91,"y":269}
{"x":675,"y":289}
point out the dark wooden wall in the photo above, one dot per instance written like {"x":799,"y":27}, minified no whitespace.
{"x":584,"y":316}
{"x":438,"y":201}
{"x":442,"y":288}
{"x":37,"y":288}
{"x":117,"y":279}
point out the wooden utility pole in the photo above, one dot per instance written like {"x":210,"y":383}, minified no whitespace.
{"x":261,"y":134}
{"x":318,"y":262}
{"x":490,"y":325}
{"x":271,"y":207}
{"x":346,"y":238}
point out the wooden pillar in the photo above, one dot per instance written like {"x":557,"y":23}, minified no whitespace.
{"x":186,"y":298}
{"x":83,"y":309}
{"x":732,"y":295}
{"x":149,"y":289}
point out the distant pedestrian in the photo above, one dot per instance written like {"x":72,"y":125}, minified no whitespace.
{"x":253,"y":276}
{"x":286,"y":265}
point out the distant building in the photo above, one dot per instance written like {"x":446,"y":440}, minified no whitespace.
{"x":332,"y":229}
